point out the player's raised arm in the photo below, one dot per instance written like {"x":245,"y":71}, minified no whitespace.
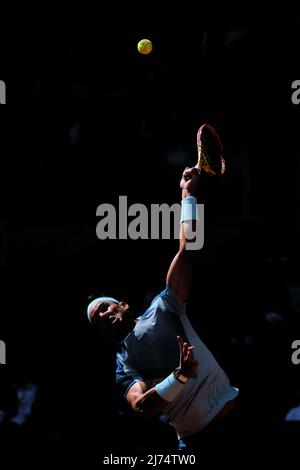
{"x":179,"y":276}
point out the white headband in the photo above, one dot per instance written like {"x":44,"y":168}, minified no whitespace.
{"x":99,"y":299}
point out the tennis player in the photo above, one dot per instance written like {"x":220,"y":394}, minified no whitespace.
{"x":163,"y":367}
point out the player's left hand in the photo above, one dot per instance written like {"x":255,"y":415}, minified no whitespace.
{"x":187,"y":363}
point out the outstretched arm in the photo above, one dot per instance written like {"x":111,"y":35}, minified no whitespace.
{"x":150,"y":403}
{"x":179,"y":276}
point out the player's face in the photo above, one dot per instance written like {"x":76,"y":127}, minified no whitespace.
{"x":112,"y":320}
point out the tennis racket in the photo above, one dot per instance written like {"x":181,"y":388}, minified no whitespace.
{"x":210,"y":151}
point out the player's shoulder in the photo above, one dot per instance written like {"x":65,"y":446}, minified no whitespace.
{"x":164,"y":300}
{"x":171,"y":301}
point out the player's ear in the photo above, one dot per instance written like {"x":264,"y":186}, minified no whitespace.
{"x":124,"y":305}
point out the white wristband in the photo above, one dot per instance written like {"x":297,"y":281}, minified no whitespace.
{"x":169,"y":388}
{"x":189,"y":210}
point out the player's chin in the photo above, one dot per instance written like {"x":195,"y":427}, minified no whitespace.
{"x":105,"y":332}
{"x":104,"y":328}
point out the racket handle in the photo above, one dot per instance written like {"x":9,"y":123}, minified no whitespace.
{"x":198,"y":168}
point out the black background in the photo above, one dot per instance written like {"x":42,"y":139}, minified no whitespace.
{"x":135,"y":114}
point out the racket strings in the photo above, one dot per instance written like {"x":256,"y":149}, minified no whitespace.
{"x":202,"y":155}
{"x":208,"y":158}
{"x":222,"y":165}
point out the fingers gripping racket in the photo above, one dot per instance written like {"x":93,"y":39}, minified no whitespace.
{"x":210,"y":151}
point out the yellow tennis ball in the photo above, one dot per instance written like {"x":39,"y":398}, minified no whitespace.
{"x":144,"y":46}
